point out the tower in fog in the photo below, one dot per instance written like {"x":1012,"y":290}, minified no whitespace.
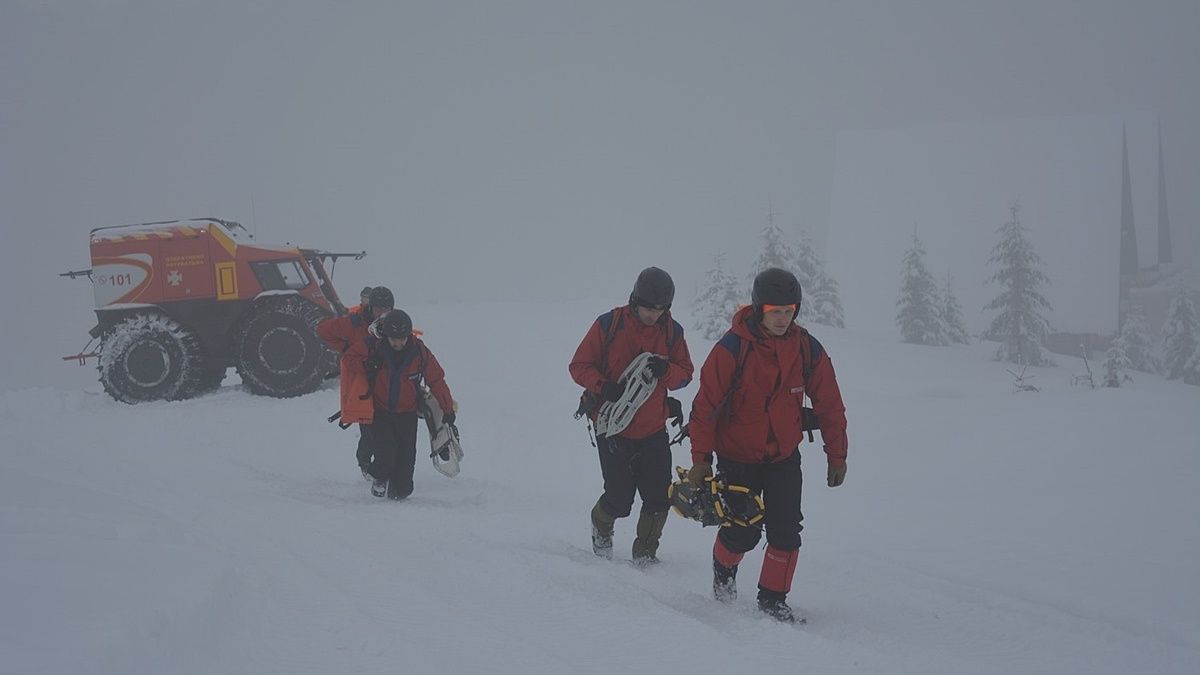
{"x":1129,"y":251}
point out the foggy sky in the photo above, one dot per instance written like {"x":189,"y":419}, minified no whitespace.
{"x":515,"y":150}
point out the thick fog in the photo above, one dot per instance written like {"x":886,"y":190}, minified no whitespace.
{"x":547,"y":150}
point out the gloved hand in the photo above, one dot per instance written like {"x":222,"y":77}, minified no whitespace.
{"x":611,"y":391}
{"x":373,"y":329}
{"x":698,"y":473}
{"x":836,"y":475}
{"x":658,"y":365}
{"x":373,"y":363}
{"x":674,"y":411}
{"x":448,"y":417}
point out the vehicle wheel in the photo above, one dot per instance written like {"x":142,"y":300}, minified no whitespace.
{"x":150,"y":357}
{"x":278,"y":351}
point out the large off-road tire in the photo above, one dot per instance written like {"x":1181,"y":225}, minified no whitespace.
{"x":150,"y":357}
{"x":278,"y":351}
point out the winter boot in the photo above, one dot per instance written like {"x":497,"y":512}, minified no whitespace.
{"x":602,"y":532}
{"x":725,"y":565}
{"x":379,"y":487}
{"x":649,"y":531}
{"x":774,"y":604}
{"x":724,"y":582}
{"x":774,"y":583}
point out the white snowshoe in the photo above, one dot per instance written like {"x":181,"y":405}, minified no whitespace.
{"x":445,"y":449}
{"x":639,"y":383}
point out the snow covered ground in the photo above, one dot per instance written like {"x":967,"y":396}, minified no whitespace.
{"x":979,"y":531}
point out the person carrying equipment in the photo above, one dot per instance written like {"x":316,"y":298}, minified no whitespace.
{"x":749,"y":413}
{"x":643,"y":339}
{"x":389,"y":366}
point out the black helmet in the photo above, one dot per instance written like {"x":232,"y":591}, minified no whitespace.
{"x":380,"y":296}
{"x":775,"y":286}
{"x":653,"y":288}
{"x":396,"y":324}
{"x":365,"y":292}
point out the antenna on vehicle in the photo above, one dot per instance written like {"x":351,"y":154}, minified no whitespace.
{"x":253,"y":217}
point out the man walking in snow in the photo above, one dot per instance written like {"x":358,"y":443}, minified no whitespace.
{"x":638,"y":458}
{"x":341,"y":332}
{"x":749,"y":413}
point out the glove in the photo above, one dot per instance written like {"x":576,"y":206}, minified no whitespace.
{"x":674,"y":411}
{"x":373,"y":363}
{"x":837,"y":474}
{"x":658,"y":366}
{"x":373,"y":329}
{"x":448,"y":417}
{"x":611,"y":391}
{"x":698,"y":473}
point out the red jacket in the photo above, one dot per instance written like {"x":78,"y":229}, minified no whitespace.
{"x":761,"y":421}
{"x":632,"y":337}
{"x":395,"y":383}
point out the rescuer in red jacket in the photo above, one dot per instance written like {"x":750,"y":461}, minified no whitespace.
{"x":748,"y":413}
{"x":340,"y":333}
{"x":386,"y":368}
{"x":638,"y":459}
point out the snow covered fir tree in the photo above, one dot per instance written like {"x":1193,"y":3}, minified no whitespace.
{"x":1181,"y":336}
{"x":1134,"y":341}
{"x":776,"y":252}
{"x":1115,"y":365}
{"x":1020,"y":326}
{"x":717,"y":300}
{"x":952,"y":319}
{"x":919,"y":309}
{"x":821,"y":302}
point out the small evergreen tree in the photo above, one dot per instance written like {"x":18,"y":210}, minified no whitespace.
{"x":717,"y":301}
{"x":1115,"y":365}
{"x":775,"y":253}
{"x":1191,"y":369}
{"x":1135,"y":342}
{"x":825,"y":303}
{"x":952,"y":321}
{"x":919,"y":313}
{"x":1181,"y":335}
{"x":821,"y":302}
{"x":1020,"y":326}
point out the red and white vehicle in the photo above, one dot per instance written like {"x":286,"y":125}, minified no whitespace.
{"x":178,"y":302}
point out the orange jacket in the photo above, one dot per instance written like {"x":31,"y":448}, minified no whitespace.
{"x":339,"y":332}
{"x":761,"y":421}
{"x":395,"y":383}
{"x":631,"y":338}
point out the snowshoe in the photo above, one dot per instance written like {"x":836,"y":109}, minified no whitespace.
{"x":715,"y":502}
{"x":639,"y":383}
{"x":445,"y":449}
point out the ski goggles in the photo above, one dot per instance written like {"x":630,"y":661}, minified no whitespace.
{"x":778,"y":308}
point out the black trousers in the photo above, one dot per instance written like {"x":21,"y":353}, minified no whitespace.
{"x":780,"y":484}
{"x":392,"y":438}
{"x":629,"y":465}
{"x":363,"y":453}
